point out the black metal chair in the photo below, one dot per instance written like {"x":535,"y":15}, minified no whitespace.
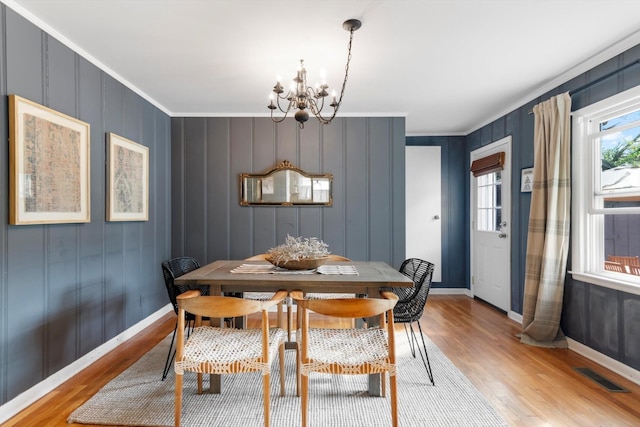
{"x":411,"y":303}
{"x":171,"y":269}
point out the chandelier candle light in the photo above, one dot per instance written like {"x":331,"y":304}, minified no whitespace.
{"x":303,"y":97}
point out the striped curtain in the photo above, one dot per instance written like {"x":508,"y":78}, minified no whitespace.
{"x":549,"y":220}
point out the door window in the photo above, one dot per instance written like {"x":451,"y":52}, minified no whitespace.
{"x":489,"y":206}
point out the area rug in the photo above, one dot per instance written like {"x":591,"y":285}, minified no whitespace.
{"x":138,"y":397}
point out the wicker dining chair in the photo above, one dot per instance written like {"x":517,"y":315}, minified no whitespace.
{"x":347,"y":351}
{"x":331,"y":257}
{"x":264,"y":296}
{"x":411,"y":304}
{"x":172,"y":269}
{"x":319,"y":295}
{"x":216,"y":350}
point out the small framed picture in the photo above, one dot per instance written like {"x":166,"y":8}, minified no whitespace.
{"x":526,"y":182}
{"x":128,"y":180}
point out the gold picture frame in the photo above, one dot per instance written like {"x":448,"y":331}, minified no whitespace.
{"x":127,"y":180}
{"x":49,"y":176}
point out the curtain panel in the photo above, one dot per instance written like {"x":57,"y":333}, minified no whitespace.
{"x":549,"y":222}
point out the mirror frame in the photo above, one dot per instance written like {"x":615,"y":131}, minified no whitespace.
{"x":252,"y":187}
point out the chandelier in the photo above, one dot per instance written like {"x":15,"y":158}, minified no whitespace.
{"x":305,"y":98}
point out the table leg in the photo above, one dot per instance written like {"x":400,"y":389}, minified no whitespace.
{"x":375,"y":380}
{"x":240,"y":322}
{"x":360,"y":322}
{"x":215,"y":380}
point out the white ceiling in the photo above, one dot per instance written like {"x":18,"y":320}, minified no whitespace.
{"x":449,"y":66}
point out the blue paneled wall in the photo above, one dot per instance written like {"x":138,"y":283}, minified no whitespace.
{"x":365,"y":156}
{"x":604,"y":319}
{"x":65,"y":289}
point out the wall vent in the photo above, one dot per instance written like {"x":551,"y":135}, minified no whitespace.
{"x":607,"y":384}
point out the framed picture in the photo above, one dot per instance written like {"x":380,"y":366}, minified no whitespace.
{"x":48,"y":165}
{"x":128,"y":180}
{"x":526,"y":182}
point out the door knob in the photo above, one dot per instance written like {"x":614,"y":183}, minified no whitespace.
{"x":436,"y":217}
{"x":502,"y":235}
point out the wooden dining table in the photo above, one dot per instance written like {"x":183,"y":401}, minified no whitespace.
{"x":371,"y":277}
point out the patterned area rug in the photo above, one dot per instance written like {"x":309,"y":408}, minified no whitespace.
{"x":138,"y":397}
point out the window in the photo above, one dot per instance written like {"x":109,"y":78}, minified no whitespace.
{"x":489,"y":202}
{"x":606,"y":192}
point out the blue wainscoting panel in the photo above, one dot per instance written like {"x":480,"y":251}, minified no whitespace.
{"x":68,"y":288}
{"x":361,"y":153}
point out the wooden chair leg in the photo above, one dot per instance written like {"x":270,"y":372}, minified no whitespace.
{"x":281,"y":351}
{"x":298,"y":379}
{"x":178,"y":400}
{"x":280,"y":316}
{"x":266,"y":379}
{"x":305,"y":399}
{"x":393,"y":381}
{"x":289,"y":318}
{"x":199,"y":383}
{"x":383,"y":378}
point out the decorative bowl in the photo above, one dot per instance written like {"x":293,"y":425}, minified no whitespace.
{"x":300,"y":264}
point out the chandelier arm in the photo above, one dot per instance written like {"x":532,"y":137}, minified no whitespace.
{"x":278,"y":120}
{"x":313,"y":106}
{"x":278,"y":98}
{"x":289,"y":99}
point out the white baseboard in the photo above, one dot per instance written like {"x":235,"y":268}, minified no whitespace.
{"x":605,"y":361}
{"x":516,"y":317}
{"x":30,"y":396}
{"x":450,"y":291}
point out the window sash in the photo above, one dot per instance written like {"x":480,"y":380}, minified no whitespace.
{"x":588,"y":205}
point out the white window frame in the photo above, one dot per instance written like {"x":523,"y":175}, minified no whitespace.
{"x":587,"y":257}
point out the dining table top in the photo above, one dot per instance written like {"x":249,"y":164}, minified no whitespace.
{"x":362,"y":277}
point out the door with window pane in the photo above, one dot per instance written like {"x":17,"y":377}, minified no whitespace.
{"x":490,"y":229}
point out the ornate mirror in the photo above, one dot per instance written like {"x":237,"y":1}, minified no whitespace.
{"x":286,"y":185}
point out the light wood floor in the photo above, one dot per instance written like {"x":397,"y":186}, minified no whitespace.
{"x":529,"y":386}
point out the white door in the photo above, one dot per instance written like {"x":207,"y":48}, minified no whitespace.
{"x":490,"y":229}
{"x":423,"y":225}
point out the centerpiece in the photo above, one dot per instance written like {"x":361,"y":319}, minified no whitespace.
{"x":299,"y":253}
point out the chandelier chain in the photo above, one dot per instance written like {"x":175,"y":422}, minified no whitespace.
{"x":344,"y":84}
{"x":346,"y":70}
